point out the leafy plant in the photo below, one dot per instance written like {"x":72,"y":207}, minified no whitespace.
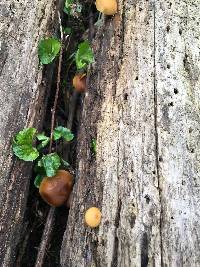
{"x":94,"y":146}
{"x":23,"y":145}
{"x":84,"y":55}
{"x":63,"y":132}
{"x":50,"y":163}
{"x":48,"y":50}
{"x":72,"y":8}
{"x":46,"y":165}
{"x":68,"y":7}
{"x":44,"y":140}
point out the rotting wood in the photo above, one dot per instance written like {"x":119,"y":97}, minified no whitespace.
{"x":23,"y":94}
{"x":142,"y":104}
{"x":177,"y":68}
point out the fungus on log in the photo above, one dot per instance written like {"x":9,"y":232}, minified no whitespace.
{"x":142,"y":105}
{"x":23,"y":94}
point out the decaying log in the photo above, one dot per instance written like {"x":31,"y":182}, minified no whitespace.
{"x":23,"y":94}
{"x":142,"y":105}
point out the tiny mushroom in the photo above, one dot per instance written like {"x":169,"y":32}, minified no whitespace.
{"x":107,"y":7}
{"x":57,"y":189}
{"x":93,"y":217}
{"x":79,"y":82}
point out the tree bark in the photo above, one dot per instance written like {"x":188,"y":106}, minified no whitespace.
{"x":142,"y":105}
{"x":23,"y":94}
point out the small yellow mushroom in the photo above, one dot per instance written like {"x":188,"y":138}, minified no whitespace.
{"x":107,"y":7}
{"x":93,"y":217}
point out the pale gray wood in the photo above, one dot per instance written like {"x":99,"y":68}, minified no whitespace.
{"x":22,"y":104}
{"x":124,"y":185}
{"x":178,"y":93}
{"x":143,"y":105}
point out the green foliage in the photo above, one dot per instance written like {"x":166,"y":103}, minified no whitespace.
{"x":44,"y":140}
{"x":23,"y":145}
{"x":38,"y":180}
{"x":72,"y":8}
{"x":63,"y":132}
{"x":51,"y":163}
{"x":67,"y":30}
{"x":46,"y":165}
{"x":48,"y":50}
{"x":94,"y":146}
{"x":68,"y":7}
{"x":84,"y":55}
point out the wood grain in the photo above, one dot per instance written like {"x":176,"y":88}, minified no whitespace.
{"x":142,"y":105}
{"x":23,"y":94}
{"x":178,"y":123}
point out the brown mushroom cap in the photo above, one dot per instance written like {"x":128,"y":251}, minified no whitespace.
{"x":107,"y":7}
{"x":79,"y":82}
{"x":56,"y":190}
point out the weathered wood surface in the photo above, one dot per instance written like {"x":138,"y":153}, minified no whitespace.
{"x":22,"y":104}
{"x":143,"y":105}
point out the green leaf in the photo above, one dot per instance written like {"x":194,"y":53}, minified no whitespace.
{"x":67,"y":30}
{"x":23,"y":145}
{"x":68,"y":7}
{"x":51,"y":164}
{"x":63,"y":132}
{"x":71,"y":8}
{"x":25,"y":152}
{"x":48,"y":50}
{"x":25,"y":136}
{"x":94,"y":146}
{"x":38,"y":180}
{"x":45,"y":140}
{"x":84,"y":55}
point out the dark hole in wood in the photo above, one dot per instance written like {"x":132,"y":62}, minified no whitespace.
{"x":172,"y":217}
{"x":183,"y":182}
{"x":125,"y":96}
{"x":147,"y":199}
{"x":160,"y":158}
{"x":175,"y":91}
{"x":168,"y":66}
{"x":171,"y":104}
{"x":154,"y":172}
{"x":168,"y":28}
{"x":136,"y":78}
{"x":180,"y":31}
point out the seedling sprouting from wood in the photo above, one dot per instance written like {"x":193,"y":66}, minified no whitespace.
{"x":46,"y":165}
{"x":48,"y":49}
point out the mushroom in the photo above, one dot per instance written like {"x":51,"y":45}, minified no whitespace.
{"x":79,"y":82}
{"x":107,"y":7}
{"x":93,"y":217}
{"x":57,"y":189}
